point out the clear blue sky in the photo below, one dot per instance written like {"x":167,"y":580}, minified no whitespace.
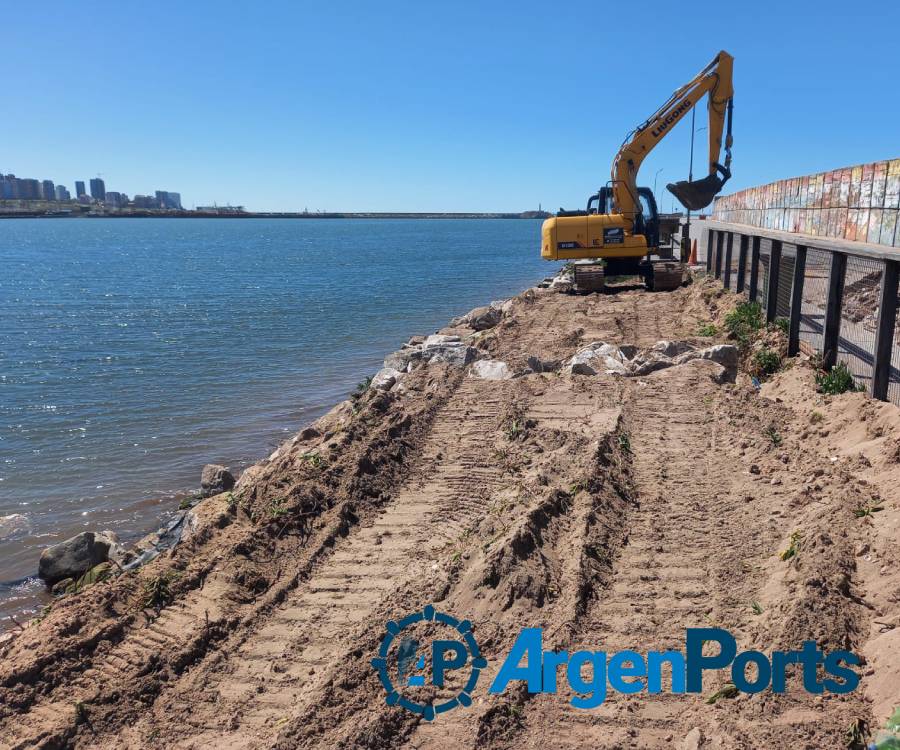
{"x":428,"y":106}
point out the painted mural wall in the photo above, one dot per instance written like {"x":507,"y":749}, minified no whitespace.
{"x":859,"y":203}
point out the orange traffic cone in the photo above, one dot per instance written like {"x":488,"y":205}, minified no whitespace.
{"x":692,"y":261}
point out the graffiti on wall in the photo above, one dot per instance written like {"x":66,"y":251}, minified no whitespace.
{"x":859,"y":203}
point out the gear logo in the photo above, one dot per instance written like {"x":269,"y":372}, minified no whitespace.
{"x":456,"y":663}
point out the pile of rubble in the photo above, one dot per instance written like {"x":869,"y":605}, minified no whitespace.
{"x":610,"y":359}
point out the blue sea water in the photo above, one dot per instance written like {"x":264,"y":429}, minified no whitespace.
{"x":133,"y":351}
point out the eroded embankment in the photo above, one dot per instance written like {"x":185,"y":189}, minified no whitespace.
{"x":613,"y":512}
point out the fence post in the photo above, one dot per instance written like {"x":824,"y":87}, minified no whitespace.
{"x":710,"y":233}
{"x":720,"y":236}
{"x":833,"y":309}
{"x":728,"y":247}
{"x":742,"y":263}
{"x":753,"y":292}
{"x":797,"y":301}
{"x":884,"y":334}
{"x":772,"y":290}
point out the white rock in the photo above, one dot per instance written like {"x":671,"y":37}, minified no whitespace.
{"x":385,"y":378}
{"x":671,"y":348}
{"x":725,"y":355}
{"x":491,"y":369}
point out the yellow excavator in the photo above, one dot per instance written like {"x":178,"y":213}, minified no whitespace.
{"x":619,"y":229}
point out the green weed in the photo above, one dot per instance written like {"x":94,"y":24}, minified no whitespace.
{"x":157,"y":592}
{"x":783,"y":325}
{"x":313,"y":460}
{"x":793,"y":548}
{"x":756,"y":607}
{"x":278,"y":507}
{"x":836,"y":381}
{"x":624,"y":442}
{"x":707,"y":330}
{"x":515,"y":428}
{"x":864,"y":511}
{"x":816,"y":416}
{"x":729,"y":690}
{"x":773,"y":435}
{"x":744,"y":321}
{"x":766,"y":362}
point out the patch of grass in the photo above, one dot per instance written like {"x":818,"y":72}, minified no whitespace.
{"x":836,"y":381}
{"x":157,"y":591}
{"x":756,"y":607}
{"x":232,"y":502}
{"x":624,"y":442}
{"x":766,"y":362}
{"x":816,"y":416}
{"x":707,"y":330}
{"x":185,"y":504}
{"x":773,"y":435}
{"x":864,"y":511}
{"x":729,"y":690}
{"x":575,"y":488}
{"x":793,"y":548}
{"x":744,"y":321}
{"x":783,"y":325}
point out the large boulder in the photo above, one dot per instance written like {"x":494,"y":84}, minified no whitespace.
{"x":491,"y":369}
{"x":74,"y":557}
{"x":215,"y":479}
{"x":661,"y":355}
{"x":14,"y":525}
{"x":598,"y":357}
{"x":449,"y":349}
{"x":725,"y":355}
{"x":385,"y":378}
{"x":482,"y":318}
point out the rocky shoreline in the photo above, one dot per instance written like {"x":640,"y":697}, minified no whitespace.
{"x":94,"y":556}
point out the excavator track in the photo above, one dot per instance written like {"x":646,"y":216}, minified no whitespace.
{"x":589,"y":277}
{"x":665,"y":276}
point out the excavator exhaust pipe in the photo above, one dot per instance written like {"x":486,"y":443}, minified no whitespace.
{"x":699,"y":194}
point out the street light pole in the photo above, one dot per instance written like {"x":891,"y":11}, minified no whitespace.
{"x":686,"y":239}
{"x":654,"y":184}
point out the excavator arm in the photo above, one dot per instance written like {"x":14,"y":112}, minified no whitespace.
{"x":716,"y":80}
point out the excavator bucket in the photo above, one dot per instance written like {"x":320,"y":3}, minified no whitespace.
{"x":697,"y":194}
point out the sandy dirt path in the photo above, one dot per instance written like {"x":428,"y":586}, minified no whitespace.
{"x":615,"y":513}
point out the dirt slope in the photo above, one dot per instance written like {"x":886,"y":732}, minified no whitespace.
{"x":612,"y":512}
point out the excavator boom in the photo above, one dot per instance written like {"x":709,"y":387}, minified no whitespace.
{"x":716,"y":80}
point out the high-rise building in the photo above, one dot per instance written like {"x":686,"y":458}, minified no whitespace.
{"x":98,"y":189}
{"x":48,"y":190}
{"x":9,"y":188}
{"x":29,"y":190}
{"x":165,"y":199}
{"x":79,"y":188}
{"x":62,"y":194}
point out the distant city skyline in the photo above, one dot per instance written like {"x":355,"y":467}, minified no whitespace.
{"x":13,"y":188}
